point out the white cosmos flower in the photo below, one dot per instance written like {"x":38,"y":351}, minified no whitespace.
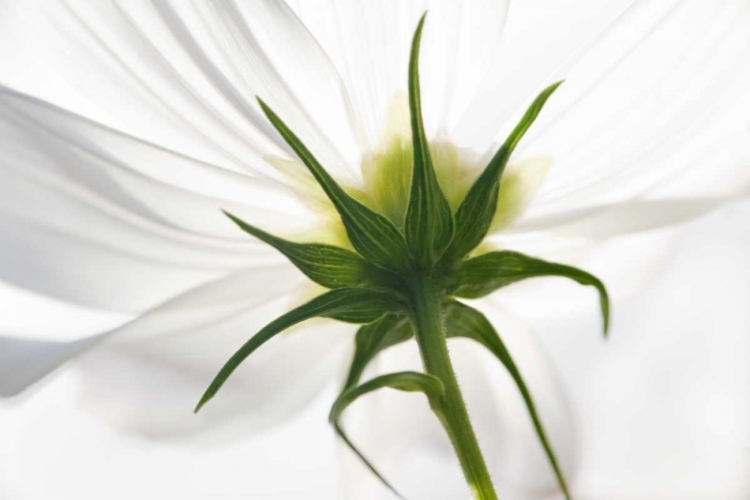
{"x":126,"y":126}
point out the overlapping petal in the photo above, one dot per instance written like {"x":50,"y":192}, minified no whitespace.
{"x":93,"y":216}
{"x":369,"y":45}
{"x":655,"y":111}
{"x":146,"y":375}
{"x":183,"y":74}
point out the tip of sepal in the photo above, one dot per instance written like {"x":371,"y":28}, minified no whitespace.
{"x":605,"y":315}
{"x":272,"y":117}
{"x":603,"y":305}
{"x":267,"y":110}
{"x":234,"y":219}
{"x":205,"y":399}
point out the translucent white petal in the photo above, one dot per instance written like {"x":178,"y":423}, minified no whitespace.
{"x":628,"y":217}
{"x":24,"y":362}
{"x":46,"y":143}
{"x":151,"y":388}
{"x":182,"y":74}
{"x":539,"y":37}
{"x":657,"y":107}
{"x":33,"y":316}
{"x":404,"y":439}
{"x":104,"y":219}
{"x":77,"y":270}
{"x":369,"y":44}
{"x":200,"y":307}
{"x":147,"y":375}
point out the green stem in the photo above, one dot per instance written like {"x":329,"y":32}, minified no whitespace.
{"x":426,"y":311}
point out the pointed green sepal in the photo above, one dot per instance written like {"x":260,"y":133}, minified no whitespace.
{"x":371,"y":233}
{"x":475,"y":214}
{"x":326,"y":265}
{"x":429,"y":221}
{"x":431,"y":386}
{"x":353,"y":305}
{"x":372,"y":339}
{"x":482,"y":275}
{"x":464,"y":321}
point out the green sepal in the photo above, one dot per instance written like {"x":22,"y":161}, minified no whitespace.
{"x":482,"y":275}
{"x":431,"y":386}
{"x":371,"y":233}
{"x":326,"y":265}
{"x":474,"y":215}
{"x":372,"y":339}
{"x":429,"y":221}
{"x":464,"y":321}
{"x":353,"y":305}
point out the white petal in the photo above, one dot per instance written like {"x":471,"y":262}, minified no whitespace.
{"x":24,"y":362}
{"x":149,"y":373}
{"x":539,"y":37}
{"x":628,"y":217}
{"x":200,"y":307}
{"x":33,"y":316}
{"x":184,"y":75}
{"x":103,"y":219}
{"x":656,"y":108}
{"x":151,"y":388}
{"x":39,"y":137}
{"x":370,"y":44}
{"x":405,"y":440}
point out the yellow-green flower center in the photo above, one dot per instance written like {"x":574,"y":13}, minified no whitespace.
{"x":386,"y":178}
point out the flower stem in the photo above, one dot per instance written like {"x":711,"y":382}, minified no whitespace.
{"x":426,"y":313}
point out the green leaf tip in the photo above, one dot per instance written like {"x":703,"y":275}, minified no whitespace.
{"x":482,"y":275}
{"x":408,"y":381}
{"x":475,"y":213}
{"x":371,"y":234}
{"x":352,"y":305}
{"x":464,"y":321}
{"x":429,"y":224}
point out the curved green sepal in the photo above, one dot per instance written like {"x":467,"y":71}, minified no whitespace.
{"x":482,"y":275}
{"x":474,"y":215}
{"x":431,"y":386}
{"x":353,"y":305}
{"x":429,"y":221}
{"x":372,"y":339}
{"x":371,"y":234}
{"x":326,"y":265}
{"x":464,"y":321}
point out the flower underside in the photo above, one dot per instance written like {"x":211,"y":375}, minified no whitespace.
{"x":411,"y":236}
